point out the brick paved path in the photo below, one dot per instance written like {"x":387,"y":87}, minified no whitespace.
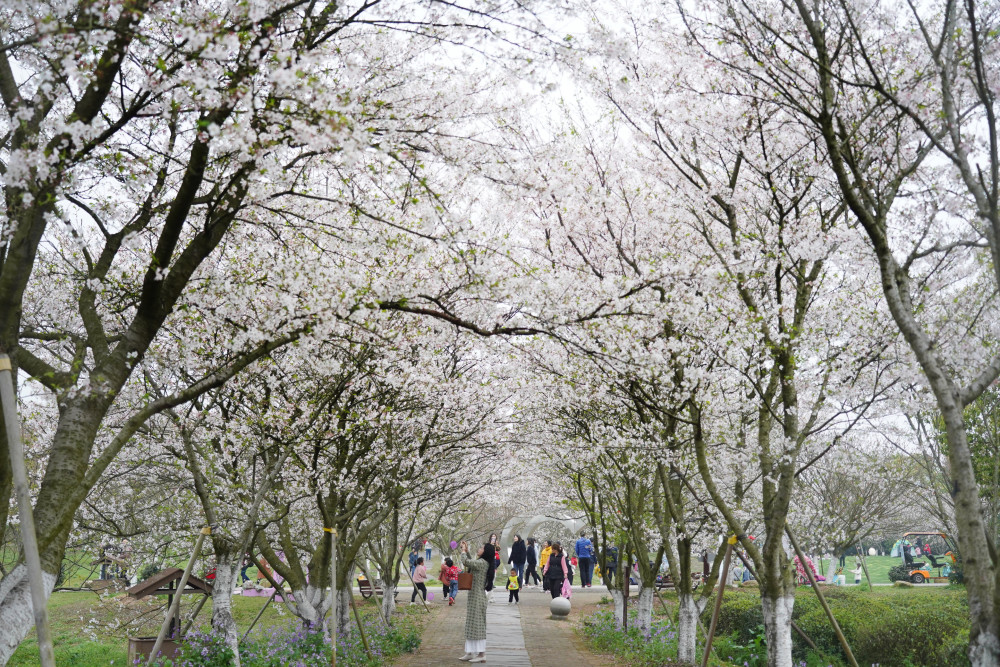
{"x":516,"y":636}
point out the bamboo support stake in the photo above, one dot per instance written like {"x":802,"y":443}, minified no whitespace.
{"x":333,"y":592}
{"x":795,"y":627}
{"x":32,"y":560}
{"x":361,"y":628}
{"x":822,"y":600}
{"x":864,"y":566}
{"x":659,"y":597}
{"x":260,"y":613}
{"x":194,"y":614}
{"x":718,"y":603}
{"x":414,"y":584}
{"x":207,"y":530}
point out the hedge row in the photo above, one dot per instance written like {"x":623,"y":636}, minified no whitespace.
{"x":889,"y":626}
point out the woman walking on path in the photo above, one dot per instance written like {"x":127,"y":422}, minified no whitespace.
{"x":419,"y":577}
{"x":532,"y":561}
{"x":475,"y":613}
{"x":543,"y":560}
{"x":444,"y":578}
{"x":518,"y":556}
{"x":555,"y":571}
{"x":494,"y":542}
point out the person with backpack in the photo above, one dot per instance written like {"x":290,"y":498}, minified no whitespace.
{"x":532,"y":561}
{"x":513,"y":585}
{"x":543,"y":561}
{"x":585,"y":556}
{"x":556,"y":571}
{"x":452,"y":575}
{"x":443,"y":578}
{"x":413,"y":560}
{"x":610,"y":565}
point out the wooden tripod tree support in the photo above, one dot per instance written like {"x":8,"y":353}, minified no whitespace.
{"x":207,"y":530}
{"x":333,"y":592}
{"x":260,"y":613}
{"x":32,"y":560}
{"x":718,"y":602}
{"x":822,"y":600}
{"x":864,"y":566}
{"x":805,"y":637}
{"x":361,"y":628}
{"x":414,"y":584}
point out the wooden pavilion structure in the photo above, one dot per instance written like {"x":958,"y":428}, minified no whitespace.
{"x":165,"y":582}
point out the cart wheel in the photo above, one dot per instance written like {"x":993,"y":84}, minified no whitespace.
{"x":917,"y":578}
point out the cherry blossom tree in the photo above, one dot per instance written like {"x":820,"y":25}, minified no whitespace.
{"x":902,"y":102}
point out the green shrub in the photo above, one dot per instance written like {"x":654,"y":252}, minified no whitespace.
{"x":899,"y":573}
{"x":740,"y":616}
{"x":924,"y":628}
{"x":889,"y":626}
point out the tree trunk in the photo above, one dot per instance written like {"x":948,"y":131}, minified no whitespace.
{"x":831,"y":569}
{"x":978,"y":569}
{"x":778,"y":629}
{"x":223,"y":623}
{"x":16,"y":612}
{"x":388,"y":601}
{"x":687,"y":629}
{"x":619,"y":599}
{"x":644,"y":615}
{"x":343,"y":610}
{"x":309,"y":605}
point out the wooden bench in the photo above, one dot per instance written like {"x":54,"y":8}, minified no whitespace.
{"x":366,"y":588}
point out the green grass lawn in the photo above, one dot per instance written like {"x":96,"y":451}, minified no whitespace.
{"x":89,"y":631}
{"x":878,"y":568}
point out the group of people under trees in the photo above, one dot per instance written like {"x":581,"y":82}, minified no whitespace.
{"x":549,"y":567}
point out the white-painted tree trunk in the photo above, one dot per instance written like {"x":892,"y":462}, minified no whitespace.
{"x":223,"y":623}
{"x":644,"y":613}
{"x":388,"y":601}
{"x":778,"y":630}
{"x":619,"y":599}
{"x":17,"y":616}
{"x":687,"y":629}
{"x":343,"y":610}
{"x":310,"y":604}
{"x":983,"y":651}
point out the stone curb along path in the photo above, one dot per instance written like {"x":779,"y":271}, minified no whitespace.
{"x":516,"y":635}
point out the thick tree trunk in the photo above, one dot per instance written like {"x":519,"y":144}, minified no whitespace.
{"x":687,"y":628}
{"x":831,"y":568}
{"x":223,"y":623}
{"x":618,"y":599}
{"x":644,"y":613}
{"x":978,"y":569}
{"x":16,"y":612}
{"x":343,"y":610}
{"x":310,"y":604}
{"x":388,"y":601}
{"x":778,"y":629}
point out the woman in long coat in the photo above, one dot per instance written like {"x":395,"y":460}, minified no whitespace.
{"x":475,"y":613}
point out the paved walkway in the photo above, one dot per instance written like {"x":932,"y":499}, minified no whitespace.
{"x":521,"y":635}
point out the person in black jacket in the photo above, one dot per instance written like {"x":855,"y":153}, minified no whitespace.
{"x":532,"y":561}
{"x":491,"y":574}
{"x":556,"y":570}
{"x":518,"y":555}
